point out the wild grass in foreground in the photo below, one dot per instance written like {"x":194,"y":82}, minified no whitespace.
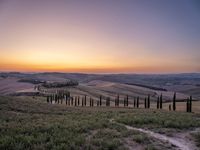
{"x":27,"y":123}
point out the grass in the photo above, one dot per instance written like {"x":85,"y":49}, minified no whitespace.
{"x":197,"y":138}
{"x":159,"y":119}
{"x":31,"y":123}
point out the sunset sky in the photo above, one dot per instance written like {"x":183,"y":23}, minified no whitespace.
{"x":100,"y":36}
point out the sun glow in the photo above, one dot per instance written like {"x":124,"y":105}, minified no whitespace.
{"x":94,"y":38}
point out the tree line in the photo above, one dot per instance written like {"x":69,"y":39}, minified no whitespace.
{"x":61,"y":97}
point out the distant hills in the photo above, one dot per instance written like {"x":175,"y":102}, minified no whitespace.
{"x":187,"y":83}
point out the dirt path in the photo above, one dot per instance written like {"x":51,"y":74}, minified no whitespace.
{"x":181,"y":143}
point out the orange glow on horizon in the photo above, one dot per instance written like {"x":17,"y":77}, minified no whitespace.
{"x":98,"y":37}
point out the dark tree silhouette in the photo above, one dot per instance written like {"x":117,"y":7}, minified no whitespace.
{"x":148,"y":100}
{"x":134,"y":102}
{"x":158,"y":102}
{"x":174,"y":102}
{"x":161,"y":101}
{"x":138,"y":99}
{"x":100,"y":102}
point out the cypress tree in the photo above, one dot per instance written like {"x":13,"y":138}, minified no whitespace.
{"x":100,"y":100}
{"x":82,"y":101}
{"x":161,"y":101}
{"x":169,"y":107}
{"x":108,"y":101}
{"x":51,"y":99}
{"x":90,"y":102}
{"x":134,"y":102}
{"x":72,"y":101}
{"x":118,"y":100}
{"x":187,"y":105}
{"x":190,"y":104}
{"x":56,"y":98}
{"x":69,"y":101}
{"x":138,"y":101}
{"x":174,"y":102}
{"x":148,"y":104}
{"x":85,"y":100}
{"x":158,"y":103}
{"x":127,"y":100}
{"x":78,"y":100}
{"x":145,"y":103}
{"x":75,"y":101}
{"x":47,"y":99}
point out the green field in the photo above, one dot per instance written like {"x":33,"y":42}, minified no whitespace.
{"x":31,"y":123}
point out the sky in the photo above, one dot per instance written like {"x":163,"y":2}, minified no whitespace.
{"x":100,"y":36}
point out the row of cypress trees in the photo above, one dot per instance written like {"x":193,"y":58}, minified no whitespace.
{"x":75,"y":101}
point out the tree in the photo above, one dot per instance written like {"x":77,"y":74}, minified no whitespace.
{"x":85,"y":100}
{"x":47,"y":99}
{"x":108,"y":101}
{"x":127,"y":100}
{"x":72,"y":101}
{"x":174,"y":102}
{"x":90,"y":101}
{"x":190,"y":104}
{"x":169,"y":107}
{"x":78,"y":100}
{"x":75,"y":101}
{"x":82,"y":101}
{"x":161,"y":101}
{"x":148,"y":100}
{"x":187,"y":105}
{"x":100,"y":100}
{"x":138,"y":101}
{"x":118,"y":100}
{"x":134,"y":102}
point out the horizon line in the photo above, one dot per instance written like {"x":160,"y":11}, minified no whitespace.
{"x":114,"y":73}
